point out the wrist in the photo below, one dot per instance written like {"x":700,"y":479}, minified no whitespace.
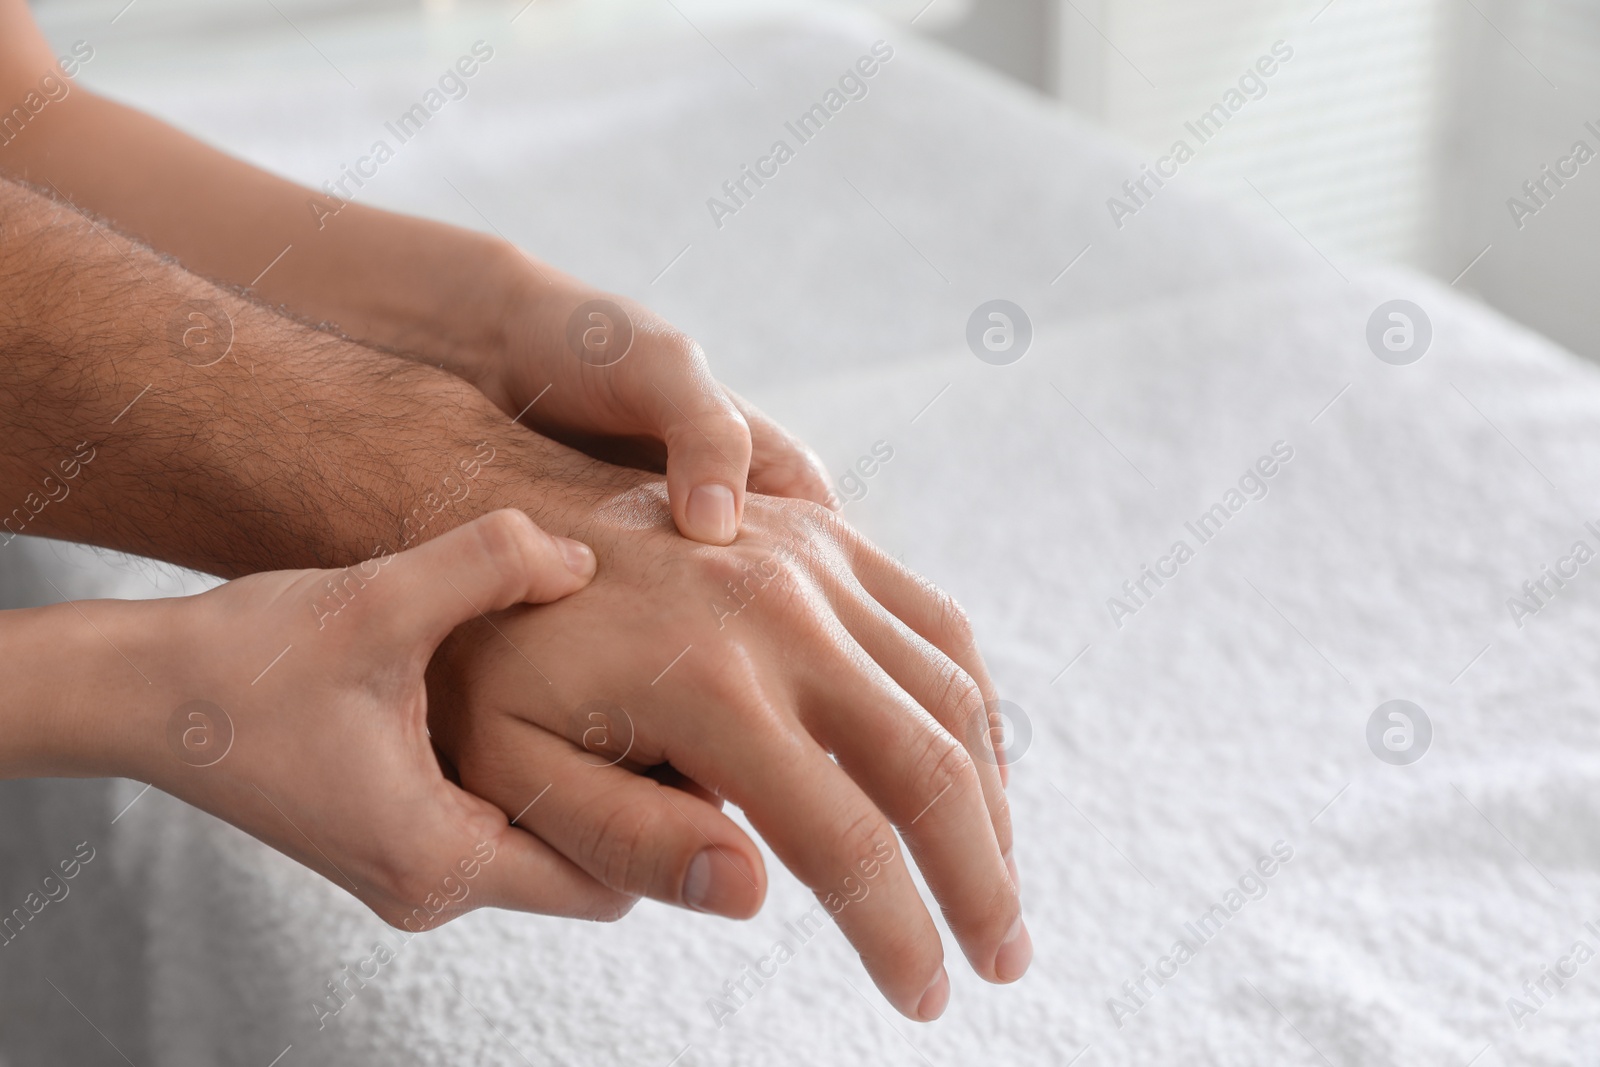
{"x":446,"y":308}
{"x":440,"y":297}
{"x":521,"y":324}
{"x":89,"y":701}
{"x":559,"y":488}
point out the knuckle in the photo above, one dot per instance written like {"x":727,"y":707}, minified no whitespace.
{"x":737,"y":701}
{"x":786,"y":597}
{"x":343,"y":593}
{"x":761,"y":578}
{"x":798,"y":527}
{"x":413,"y":918}
{"x":952,"y":624}
{"x":1000,"y":815}
{"x":402,"y":884}
{"x":619,"y":848}
{"x":960,"y":704}
{"x":732,"y":564}
{"x":904,"y":944}
{"x":945,"y":766}
{"x":392,"y":913}
{"x":733,"y":681}
{"x":821,"y":520}
{"x":507,"y":536}
{"x":728,"y":432}
{"x":860,"y":837}
{"x":801,"y":520}
{"x":670,"y":343}
{"x":404,"y":903}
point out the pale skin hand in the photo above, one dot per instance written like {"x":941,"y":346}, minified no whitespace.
{"x":450,"y":297}
{"x":657,"y":407}
{"x":303,"y":448}
{"x":325,"y":756}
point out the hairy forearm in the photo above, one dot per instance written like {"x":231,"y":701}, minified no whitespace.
{"x":385,"y":279}
{"x":295,"y":448}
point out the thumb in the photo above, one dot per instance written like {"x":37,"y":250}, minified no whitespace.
{"x":708,"y":457}
{"x":487,"y":565}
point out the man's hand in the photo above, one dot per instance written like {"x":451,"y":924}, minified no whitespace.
{"x":801,"y":674}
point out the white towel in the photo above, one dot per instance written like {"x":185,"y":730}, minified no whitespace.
{"x":1226,"y":715}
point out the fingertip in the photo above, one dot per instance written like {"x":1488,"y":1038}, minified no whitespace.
{"x":722,"y":881}
{"x":708,"y":459}
{"x":547,"y":565}
{"x":1015,"y":953}
{"x":936,"y":999}
{"x":578,"y":556}
{"x":711,"y":514}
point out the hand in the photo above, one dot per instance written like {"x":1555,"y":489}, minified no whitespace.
{"x":323,"y":753}
{"x":641,"y":394}
{"x":736,"y":673}
{"x":440,"y":294}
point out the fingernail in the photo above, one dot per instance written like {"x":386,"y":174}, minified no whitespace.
{"x":934,"y":1001}
{"x":1016,"y":952}
{"x":1011,"y":869}
{"x":710,"y":514}
{"x":716,"y":882}
{"x":578,"y":556}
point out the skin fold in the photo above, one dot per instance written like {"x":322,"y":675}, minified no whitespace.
{"x":769,"y":656}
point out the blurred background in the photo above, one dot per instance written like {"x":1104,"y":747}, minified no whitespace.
{"x":1401,"y":131}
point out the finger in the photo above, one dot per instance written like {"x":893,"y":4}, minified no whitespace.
{"x":519,"y":872}
{"x":491,"y":563}
{"x":928,"y":784}
{"x":780,"y":463}
{"x":672,"y":778}
{"x":450,"y":852}
{"x":626,"y":831}
{"x":935,"y":616}
{"x":837,"y":842}
{"x":939,"y":684}
{"x":708,"y":452}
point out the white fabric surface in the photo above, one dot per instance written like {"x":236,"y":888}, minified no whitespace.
{"x":1223,"y":717}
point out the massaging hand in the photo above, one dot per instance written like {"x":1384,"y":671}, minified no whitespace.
{"x":437,"y":293}
{"x":745,"y":668}
{"x":610,"y":377}
{"x":329,"y":760}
